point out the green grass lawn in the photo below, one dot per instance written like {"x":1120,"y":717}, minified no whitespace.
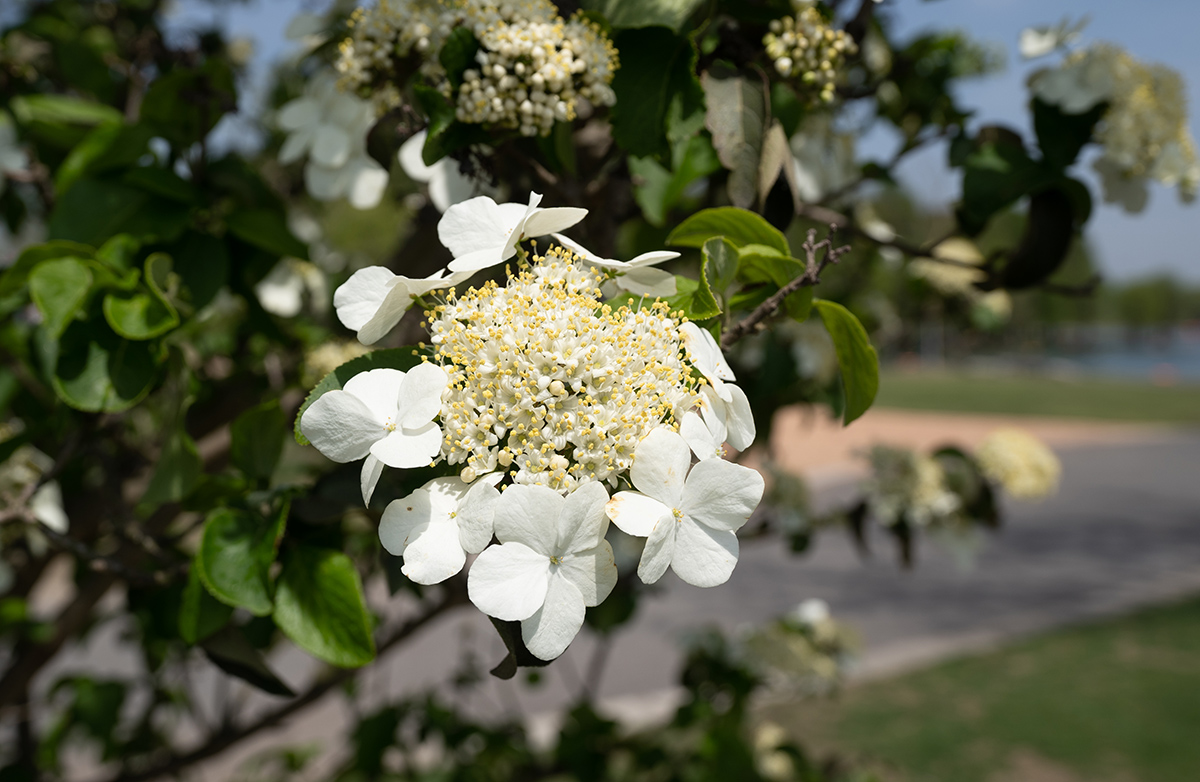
{"x":1033,"y":395}
{"x":1117,"y":701}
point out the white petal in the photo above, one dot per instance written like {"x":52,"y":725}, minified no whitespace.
{"x":298,"y":113}
{"x":509,"y":581}
{"x":358,"y":299}
{"x":295,"y":145}
{"x":739,"y":419}
{"x":449,"y":186}
{"x":371,"y":470}
{"x":593,"y":572}
{"x":635,"y":513}
{"x":581,"y":522}
{"x":660,"y":463}
{"x":404,"y":519}
{"x":529,"y":515}
{"x":653,"y":258}
{"x":480,"y":259}
{"x":476,"y":514}
{"x":705,"y":352}
{"x":434,"y":554}
{"x":721,"y":494}
{"x":46,"y":505}
{"x":703,"y":556}
{"x":409,"y":447}
{"x":551,"y":629}
{"x":660,"y":547}
{"x":411,"y":160}
{"x":330,"y":146}
{"x":705,"y":442}
{"x":548,"y":221}
{"x":472,"y":226}
{"x":325,"y":184}
{"x":421,"y":395}
{"x":397,"y":302}
{"x":341,"y":427}
{"x":656,"y":283}
{"x":379,"y":390}
{"x":367,"y":182}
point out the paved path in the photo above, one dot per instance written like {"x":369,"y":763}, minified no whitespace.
{"x":1123,"y":531}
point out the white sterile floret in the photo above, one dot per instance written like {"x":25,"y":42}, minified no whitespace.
{"x":637,"y":275}
{"x":373,"y":300}
{"x":550,"y":383}
{"x":384,"y":415}
{"x":552,"y":563}
{"x":436,"y":526}
{"x":727,"y":403}
{"x":717,"y":422}
{"x":1039,"y":41}
{"x":805,"y":47}
{"x":447,"y":184}
{"x":689,"y":519}
{"x":331,"y":127}
{"x":481,"y":233}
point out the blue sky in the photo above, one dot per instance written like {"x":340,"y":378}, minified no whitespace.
{"x":1161,"y":239}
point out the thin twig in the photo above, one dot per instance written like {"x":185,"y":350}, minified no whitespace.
{"x":810,"y":277}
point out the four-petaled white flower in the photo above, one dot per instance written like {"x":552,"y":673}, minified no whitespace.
{"x":552,"y":562}
{"x":436,"y":526}
{"x":384,"y":415}
{"x":448,"y":185}
{"x":330,"y":126}
{"x":373,"y":300}
{"x":725,"y":413}
{"x":636,"y":276}
{"x":689,"y":520}
{"x":1039,"y":41}
{"x":481,"y":233}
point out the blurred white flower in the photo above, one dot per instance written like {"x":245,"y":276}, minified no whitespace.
{"x":283,"y":290}
{"x":1132,"y":192}
{"x":552,"y":563}
{"x":1020,"y":463}
{"x":447,"y":184}
{"x":1039,"y":41}
{"x":330,"y":127}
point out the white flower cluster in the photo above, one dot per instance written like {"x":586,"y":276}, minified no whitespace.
{"x":538,"y":398}
{"x":1020,"y":463}
{"x":908,"y":486}
{"x":1144,"y":131}
{"x":532,"y":68}
{"x":330,"y":127}
{"x":804,"y":46}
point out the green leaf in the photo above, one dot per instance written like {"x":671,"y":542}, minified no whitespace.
{"x":14,"y":279}
{"x":391,"y":358}
{"x":200,"y":614}
{"x":458,"y":54}
{"x":176,"y":473}
{"x":444,"y":133}
{"x":235,"y":556}
{"x":739,"y":226}
{"x":694,"y":297}
{"x":94,"y":210}
{"x":97,"y":371}
{"x":183,"y":105}
{"x":319,"y":605}
{"x":737,"y":119}
{"x":163,"y":182}
{"x":202,"y":263}
{"x":643,"y":13}
{"x":658,"y":190}
{"x":657,"y":67}
{"x":856,"y":357}
{"x":143,"y":313}
{"x":59,"y":288}
{"x":119,"y":252}
{"x":109,"y":146}
{"x":267,"y":230}
{"x":996,"y":175}
{"x":1060,"y":135}
{"x":61,"y":120}
{"x":720,"y":264}
{"x":257,"y":440}
{"x":760,"y":264}
{"x":230,"y":651}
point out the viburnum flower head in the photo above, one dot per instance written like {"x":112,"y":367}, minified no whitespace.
{"x":373,"y":300}
{"x":552,"y":563}
{"x":436,"y":526}
{"x":636,"y":276}
{"x":689,"y":519}
{"x":481,"y":233}
{"x":382,"y":415}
